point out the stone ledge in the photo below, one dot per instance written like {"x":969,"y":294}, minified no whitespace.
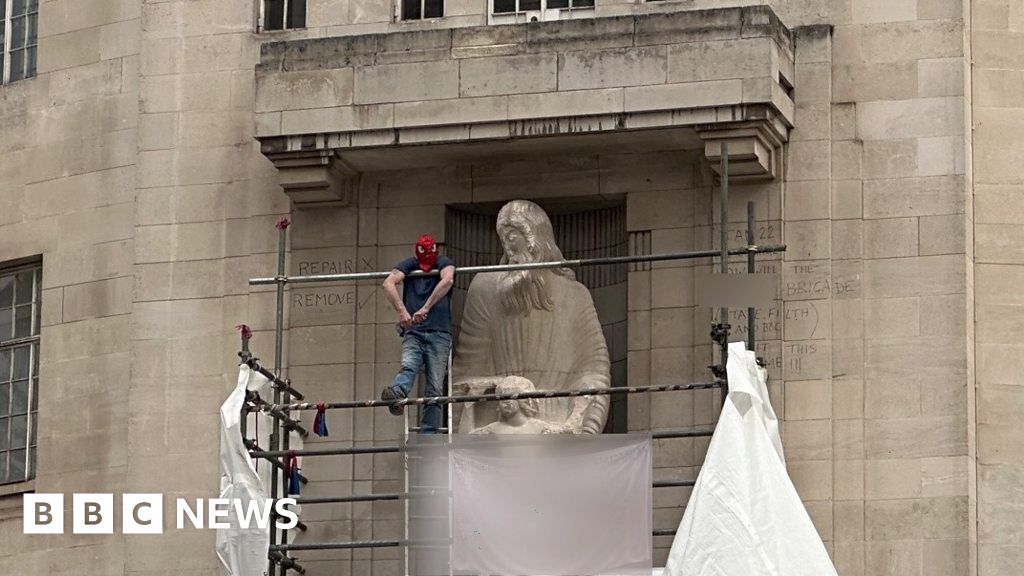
{"x":705,"y":119}
{"x":553,"y":36}
{"x":323,"y":169}
{"x":583,"y":76}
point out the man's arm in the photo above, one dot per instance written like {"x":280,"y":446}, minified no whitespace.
{"x":391,"y":291}
{"x":442,"y":288}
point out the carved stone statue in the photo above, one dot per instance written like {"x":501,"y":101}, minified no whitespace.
{"x":540,"y":325}
{"x":518,"y":416}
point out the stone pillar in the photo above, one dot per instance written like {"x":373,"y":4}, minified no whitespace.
{"x":816,"y":441}
{"x":994,"y":227}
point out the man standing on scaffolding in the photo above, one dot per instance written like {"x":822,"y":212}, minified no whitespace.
{"x":426,"y":335}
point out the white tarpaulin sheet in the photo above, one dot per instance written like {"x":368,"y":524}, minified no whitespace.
{"x":243,"y":551}
{"x":744,"y":517}
{"x":552,"y":506}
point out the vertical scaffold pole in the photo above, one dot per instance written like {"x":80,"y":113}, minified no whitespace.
{"x":277,"y":440}
{"x":449,"y":423}
{"x":751,"y":337}
{"x":723,"y":240}
{"x":245,"y":355}
{"x":407,"y":488}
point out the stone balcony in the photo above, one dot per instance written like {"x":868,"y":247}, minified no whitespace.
{"x":327,"y":109}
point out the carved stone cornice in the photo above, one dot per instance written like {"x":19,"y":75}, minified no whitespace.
{"x":755,"y":149}
{"x":314,"y":177}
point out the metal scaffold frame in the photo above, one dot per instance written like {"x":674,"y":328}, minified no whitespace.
{"x":284,"y":393}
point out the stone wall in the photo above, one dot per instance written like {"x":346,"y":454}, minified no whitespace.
{"x":876,"y":209}
{"x":128,"y":164}
{"x":998,"y":211}
{"x":67,"y":186}
{"x":202,"y":219}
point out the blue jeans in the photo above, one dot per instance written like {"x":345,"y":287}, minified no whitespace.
{"x":427,"y":351}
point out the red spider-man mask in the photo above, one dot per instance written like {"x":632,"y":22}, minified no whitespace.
{"x":426,"y":252}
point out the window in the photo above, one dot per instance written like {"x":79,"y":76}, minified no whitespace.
{"x":506,"y":11}
{"x":19,"y":370}
{"x":283,"y":14}
{"x":421,"y":9}
{"x":507,"y":6}
{"x":18,"y":36}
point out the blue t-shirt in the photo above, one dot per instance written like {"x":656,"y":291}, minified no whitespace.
{"x":417,"y":289}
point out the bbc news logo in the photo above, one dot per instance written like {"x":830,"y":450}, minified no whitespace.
{"x":144,"y":513}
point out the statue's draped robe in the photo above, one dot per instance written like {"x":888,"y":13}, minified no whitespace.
{"x":560,"y":349}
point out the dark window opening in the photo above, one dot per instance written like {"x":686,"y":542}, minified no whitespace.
{"x":433,"y":8}
{"x":19,"y":32}
{"x":421,"y":9}
{"x":511,"y":6}
{"x":412,"y":10}
{"x":504,"y":6}
{"x":297,"y":14}
{"x":20,"y":289}
{"x":284,"y":14}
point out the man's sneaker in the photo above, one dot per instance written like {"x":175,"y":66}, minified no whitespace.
{"x":389,"y":393}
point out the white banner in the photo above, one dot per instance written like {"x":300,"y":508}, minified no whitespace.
{"x":555,"y":506}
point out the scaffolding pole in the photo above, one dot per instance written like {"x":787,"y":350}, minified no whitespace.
{"x":397,"y":543}
{"x":278,"y":383}
{"x":572,"y":263}
{"x":751,"y":245}
{"x":286,"y":562}
{"x":255,"y":449}
{"x":494,"y":397}
{"x":280,"y":393}
{"x":720,"y":333}
{"x":255,"y":452}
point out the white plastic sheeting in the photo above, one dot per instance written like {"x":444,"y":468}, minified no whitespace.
{"x":744,"y":517}
{"x":243,"y":551}
{"x":554,"y":506}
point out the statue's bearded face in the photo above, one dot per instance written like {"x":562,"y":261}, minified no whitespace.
{"x":526,"y":236}
{"x":515,"y":239}
{"x":522,"y":290}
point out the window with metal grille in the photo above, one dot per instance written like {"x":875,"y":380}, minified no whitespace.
{"x":283,"y":14}
{"x":19,"y":31}
{"x":19,"y":370}
{"x":513,"y":6}
{"x":421,"y":9}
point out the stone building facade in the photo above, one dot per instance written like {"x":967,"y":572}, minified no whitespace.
{"x":146,"y":162}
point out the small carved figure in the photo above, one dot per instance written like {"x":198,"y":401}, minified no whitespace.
{"x":518,"y":416}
